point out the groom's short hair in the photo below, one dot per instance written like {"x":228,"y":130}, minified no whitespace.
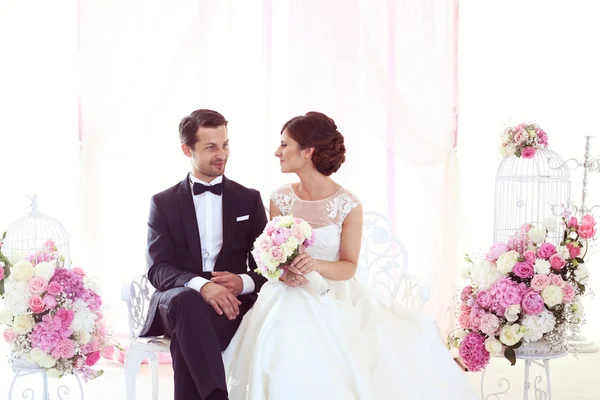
{"x":200,"y":118}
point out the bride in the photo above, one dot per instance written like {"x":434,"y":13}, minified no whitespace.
{"x":294,"y":344}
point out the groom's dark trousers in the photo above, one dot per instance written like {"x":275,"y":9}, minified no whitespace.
{"x":198,"y":334}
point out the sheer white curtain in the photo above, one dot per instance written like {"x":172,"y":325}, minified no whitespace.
{"x":533,"y":61}
{"x":385,"y":71}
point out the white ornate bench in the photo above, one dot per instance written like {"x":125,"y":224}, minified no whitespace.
{"x":383,"y":266}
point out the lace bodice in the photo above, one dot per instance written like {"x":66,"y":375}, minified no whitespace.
{"x":325,"y":216}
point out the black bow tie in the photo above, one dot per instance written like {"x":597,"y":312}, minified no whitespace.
{"x":215,"y":189}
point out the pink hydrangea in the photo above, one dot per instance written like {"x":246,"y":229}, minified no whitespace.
{"x":505,"y":293}
{"x":489,"y":324}
{"x":71,"y":283}
{"x":532,"y":303}
{"x":484,"y":300}
{"x":475,"y":318}
{"x":472,"y":351}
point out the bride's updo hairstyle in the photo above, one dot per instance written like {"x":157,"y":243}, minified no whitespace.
{"x":317,"y":130}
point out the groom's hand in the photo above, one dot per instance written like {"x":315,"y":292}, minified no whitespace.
{"x":231,"y":281}
{"x":221,"y":299}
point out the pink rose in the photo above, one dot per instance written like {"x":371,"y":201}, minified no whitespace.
{"x":108,"y":352}
{"x":528,"y":152}
{"x":466,"y":293}
{"x":298,"y":233}
{"x":521,"y":136}
{"x":1,"y":271}
{"x":271,"y":228}
{"x":475,"y":317}
{"x":489,"y":324}
{"x":484,"y":300}
{"x":557,"y":280}
{"x":65,"y":316}
{"x":572,"y":223}
{"x":540,"y":282}
{"x":574,"y":251}
{"x":523,"y":270}
{"x":92,"y":358}
{"x":37,"y":285}
{"x":36,"y":304}
{"x":64,"y":349}
{"x":557,"y":262}
{"x":277,"y":254}
{"x":50,"y":301}
{"x":496,"y":251}
{"x":529,"y":257}
{"x":264,"y":243}
{"x":546,"y":250}
{"x":568,"y":293}
{"x":532,"y":303}
{"x":54,"y":288}
{"x":586,"y":229}
{"x":78,"y":271}
{"x":9,"y":335}
{"x":49,"y":246}
{"x":463,"y":321}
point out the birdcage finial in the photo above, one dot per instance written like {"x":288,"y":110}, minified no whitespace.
{"x":34,"y":204}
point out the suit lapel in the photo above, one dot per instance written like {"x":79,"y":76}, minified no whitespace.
{"x":229,"y":215}
{"x":189,"y":219}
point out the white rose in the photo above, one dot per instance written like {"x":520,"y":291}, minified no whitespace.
{"x":563,"y":252}
{"x":511,"y":149}
{"x":582,"y":274}
{"x":306,"y":229}
{"x":47,"y":361}
{"x":512,"y":312}
{"x":505,"y":138}
{"x":54,"y":373}
{"x":552,"y":295}
{"x":484,"y":274}
{"x":537,"y":235}
{"x":510,"y":334}
{"x":6,"y":316}
{"x":22,"y":271}
{"x":493,"y":346}
{"x":45,"y":270}
{"x":288,"y":249}
{"x":23,"y":324}
{"x":83,"y":337}
{"x":551,"y":224}
{"x":507,"y":261}
{"x":268,"y":261}
{"x":36,"y":355}
{"x":286,"y":221}
{"x":542,"y":267}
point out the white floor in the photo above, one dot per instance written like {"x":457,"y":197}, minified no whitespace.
{"x":573,"y":378}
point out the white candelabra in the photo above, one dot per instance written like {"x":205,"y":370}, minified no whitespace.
{"x":577,"y":342}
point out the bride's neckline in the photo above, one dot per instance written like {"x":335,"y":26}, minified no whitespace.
{"x":314,"y":201}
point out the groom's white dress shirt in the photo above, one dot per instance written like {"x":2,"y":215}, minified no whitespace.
{"x":209,"y":213}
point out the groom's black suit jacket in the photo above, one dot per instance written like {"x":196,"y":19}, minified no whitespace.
{"x":174,"y":252}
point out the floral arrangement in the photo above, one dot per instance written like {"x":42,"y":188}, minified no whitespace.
{"x":523,"y":291}
{"x":52,"y":315}
{"x":523,"y":140}
{"x":281,"y":241}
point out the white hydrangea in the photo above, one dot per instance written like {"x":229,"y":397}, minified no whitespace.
{"x":542,"y":267}
{"x":84,"y":320}
{"x":484,"y":274}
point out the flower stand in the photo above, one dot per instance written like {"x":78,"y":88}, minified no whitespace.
{"x":23,"y":369}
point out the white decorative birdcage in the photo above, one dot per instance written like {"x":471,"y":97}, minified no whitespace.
{"x":28,"y":237}
{"x":529,"y":191}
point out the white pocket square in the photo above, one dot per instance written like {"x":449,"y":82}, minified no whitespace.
{"x":242,"y":218}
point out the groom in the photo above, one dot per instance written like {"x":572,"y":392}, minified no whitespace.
{"x":200,"y":233}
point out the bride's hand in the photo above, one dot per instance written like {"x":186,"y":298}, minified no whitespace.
{"x":292,"y":279}
{"x":303,"y":264}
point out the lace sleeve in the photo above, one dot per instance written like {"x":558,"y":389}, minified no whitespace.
{"x":282,"y":199}
{"x":341,"y":205}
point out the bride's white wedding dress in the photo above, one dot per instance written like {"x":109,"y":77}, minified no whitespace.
{"x":294,"y":344}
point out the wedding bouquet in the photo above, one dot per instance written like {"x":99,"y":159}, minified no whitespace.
{"x":523,"y":291}
{"x":52,"y":315}
{"x":282,"y":240}
{"x":523,"y":140}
